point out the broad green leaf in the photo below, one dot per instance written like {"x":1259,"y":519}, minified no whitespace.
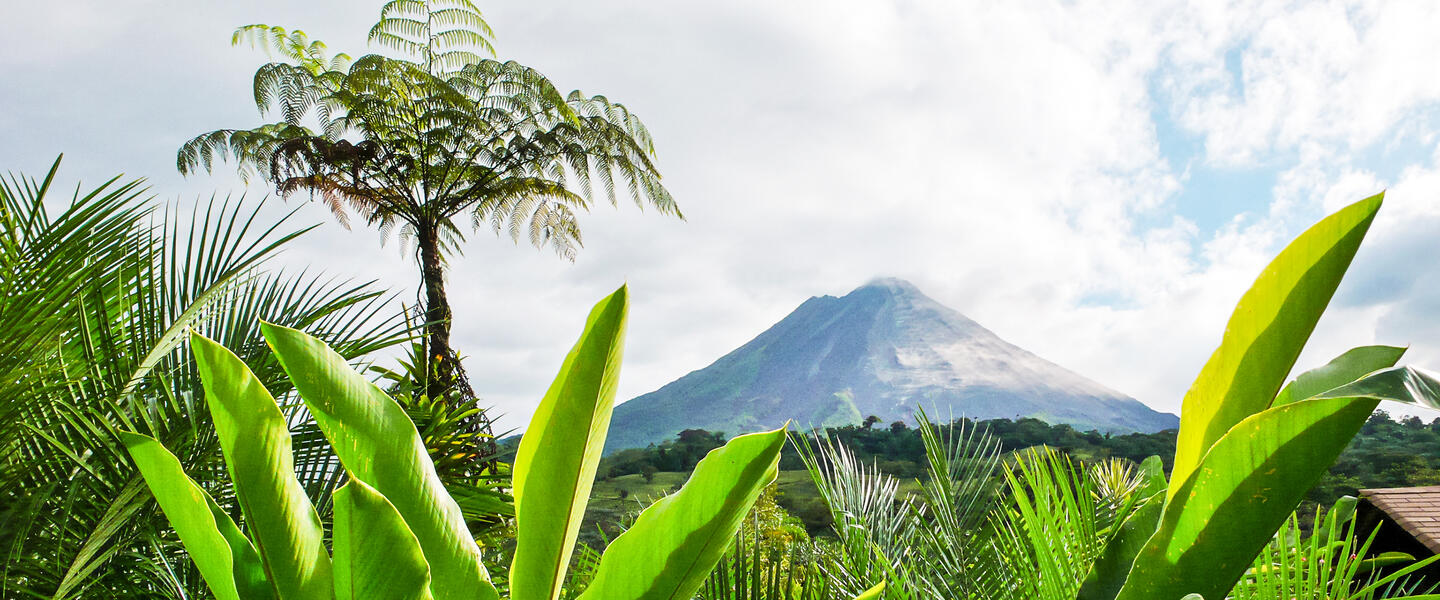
{"x":1352,"y":365}
{"x":555,"y":464}
{"x":255,"y":439}
{"x":226,"y":560}
{"x":1152,"y":477}
{"x":872,"y":593}
{"x":675,"y":542}
{"x":1266,"y":333}
{"x":379,"y":445}
{"x":1245,"y":487}
{"x":376,"y":555}
{"x":1408,"y":385}
{"x":1110,"y":569}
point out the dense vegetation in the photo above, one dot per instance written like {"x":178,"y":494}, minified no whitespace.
{"x":1385,"y":453}
{"x":105,"y":410}
{"x":178,"y":422}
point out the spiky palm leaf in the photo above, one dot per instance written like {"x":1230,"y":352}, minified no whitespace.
{"x":118,"y":284}
{"x":877,"y":529}
{"x":1329,"y":561}
{"x":1056,"y":517}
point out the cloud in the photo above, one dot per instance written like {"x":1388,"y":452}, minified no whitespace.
{"x":1004,"y":156}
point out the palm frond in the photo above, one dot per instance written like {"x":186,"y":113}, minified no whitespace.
{"x":877,"y":529}
{"x":107,"y":355}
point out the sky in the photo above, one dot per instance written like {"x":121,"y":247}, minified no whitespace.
{"x":1095,"y":181}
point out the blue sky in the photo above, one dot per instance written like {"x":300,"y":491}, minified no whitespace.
{"x":1096,"y":181}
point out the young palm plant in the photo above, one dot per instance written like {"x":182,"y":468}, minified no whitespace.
{"x":922,"y":547}
{"x":755,"y":570}
{"x":771,"y":558}
{"x":95,"y":299}
{"x":1057,"y":518}
{"x":1329,"y":563}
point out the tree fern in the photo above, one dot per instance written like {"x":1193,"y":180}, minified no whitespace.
{"x":429,"y":135}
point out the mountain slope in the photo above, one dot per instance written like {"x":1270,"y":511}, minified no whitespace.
{"x":884,"y":349}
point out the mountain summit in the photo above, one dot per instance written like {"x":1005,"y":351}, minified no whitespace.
{"x":884,"y":349}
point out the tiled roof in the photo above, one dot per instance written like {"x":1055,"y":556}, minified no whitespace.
{"x":1417,"y":509}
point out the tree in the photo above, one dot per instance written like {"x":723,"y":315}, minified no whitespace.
{"x":430,"y":134}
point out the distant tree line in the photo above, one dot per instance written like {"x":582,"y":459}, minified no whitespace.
{"x":897,"y":447}
{"x":1386,"y":452}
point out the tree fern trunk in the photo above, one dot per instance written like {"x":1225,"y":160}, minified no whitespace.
{"x":443,"y":370}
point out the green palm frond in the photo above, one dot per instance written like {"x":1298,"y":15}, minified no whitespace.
{"x":877,"y":529}
{"x":962,"y":460}
{"x":1048,"y":534}
{"x":105,"y":354}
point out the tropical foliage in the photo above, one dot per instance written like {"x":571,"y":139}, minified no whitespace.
{"x":1387,"y":452}
{"x":150,"y":360}
{"x":97,"y":298}
{"x":396,"y":533}
{"x":1248,"y":448}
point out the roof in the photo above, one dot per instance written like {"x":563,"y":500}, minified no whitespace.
{"x":1416,"y":509}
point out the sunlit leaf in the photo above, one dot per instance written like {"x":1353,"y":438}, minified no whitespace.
{"x":379,"y":445}
{"x":376,"y":555}
{"x":873,"y":593}
{"x":1265,"y":334}
{"x":256,"y":442}
{"x":1252,"y":478}
{"x":226,"y":559}
{"x":556,"y":462}
{"x":1352,"y":365}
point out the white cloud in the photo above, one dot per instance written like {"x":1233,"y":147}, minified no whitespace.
{"x":1002,"y":155}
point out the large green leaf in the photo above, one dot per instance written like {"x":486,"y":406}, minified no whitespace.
{"x":1218,"y":520}
{"x":1252,"y":478}
{"x":675,"y":542}
{"x":226,"y":560}
{"x":1408,"y":385}
{"x":1266,"y":333}
{"x":256,"y":442}
{"x":379,"y":445}
{"x":1350,"y":366}
{"x":376,"y":555}
{"x":555,"y":464}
